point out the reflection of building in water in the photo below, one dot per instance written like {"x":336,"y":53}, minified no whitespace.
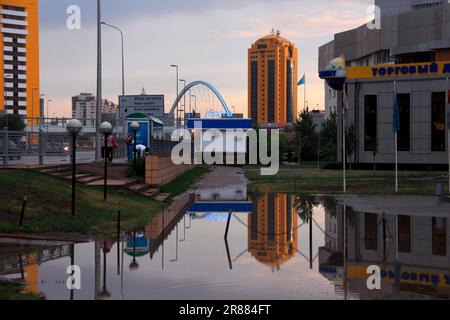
{"x":418,"y":241}
{"x":272,"y":230}
{"x":24,"y":267}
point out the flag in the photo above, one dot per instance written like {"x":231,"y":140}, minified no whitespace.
{"x":302,"y":81}
{"x":395,"y":113}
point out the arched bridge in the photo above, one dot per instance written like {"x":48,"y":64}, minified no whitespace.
{"x":203,"y":99}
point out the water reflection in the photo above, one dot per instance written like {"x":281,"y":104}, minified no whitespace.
{"x":279,"y":246}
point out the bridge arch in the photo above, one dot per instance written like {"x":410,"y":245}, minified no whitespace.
{"x":213,"y":89}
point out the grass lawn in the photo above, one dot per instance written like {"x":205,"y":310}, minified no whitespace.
{"x":358,"y":182}
{"x":48,"y":209}
{"x":182,"y":183}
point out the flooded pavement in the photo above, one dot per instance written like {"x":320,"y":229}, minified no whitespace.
{"x":279,"y":246}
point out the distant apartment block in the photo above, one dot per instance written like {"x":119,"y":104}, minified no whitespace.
{"x":84,"y":108}
{"x":19,"y":60}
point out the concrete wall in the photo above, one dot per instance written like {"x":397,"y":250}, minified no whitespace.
{"x":160,"y":170}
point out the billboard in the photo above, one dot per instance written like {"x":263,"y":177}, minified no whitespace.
{"x":150,"y":105}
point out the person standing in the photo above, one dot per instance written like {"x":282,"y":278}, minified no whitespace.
{"x":110,"y":144}
{"x":130,"y":145}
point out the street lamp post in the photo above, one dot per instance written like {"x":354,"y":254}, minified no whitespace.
{"x":184,"y":103}
{"x":123,"y":57}
{"x":48,"y":104}
{"x":176,"y":117}
{"x":106,"y":130}
{"x":74,"y":127}
{"x":195,"y":102}
{"x":135,"y":127}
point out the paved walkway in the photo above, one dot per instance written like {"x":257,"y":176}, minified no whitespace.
{"x":221,"y":177}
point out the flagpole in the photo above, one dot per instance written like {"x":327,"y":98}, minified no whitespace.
{"x":304,"y":94}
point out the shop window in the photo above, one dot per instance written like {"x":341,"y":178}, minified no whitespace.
{"x":439,"y":226}
{"x":404,"y":234}
{"x":438,"y":121}
{"x":371,"y":231}
{"x":404,"y":135}
{"x":370,"y":123}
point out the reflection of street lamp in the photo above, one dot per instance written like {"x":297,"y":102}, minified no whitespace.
{"x":106,"y":130}
{"x":74,"y":127}
{"x":134,"y":265}
{"x":104,"y":294}
{"x":135,"y":127}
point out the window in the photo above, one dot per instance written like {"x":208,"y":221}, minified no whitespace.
{"x":438,"y":121}
{"x":404,"y":141}
{"x":439,"y":226}
{"x":370,"y":123}
{"x":371,"y":231}
{"x":404,"y":234}
{"x":254,"y":91}
{"x":271,"y":90}
{"x":271,"y":217}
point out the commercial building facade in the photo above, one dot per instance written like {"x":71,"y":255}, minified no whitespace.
{"x":272,"y":81}
{"x":409,"y":57}
{"x":19,"y":61}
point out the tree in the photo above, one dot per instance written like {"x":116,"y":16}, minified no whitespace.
{"x":306,"y":136}
{"x":14,"y":122}
{"x":350,"y":143}
{"x":329,"y":138}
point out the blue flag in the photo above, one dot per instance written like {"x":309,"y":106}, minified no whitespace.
{"x":302,"y":80}
{"x":395,"y":113}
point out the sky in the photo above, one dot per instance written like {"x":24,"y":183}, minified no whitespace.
{"x":208,"y":39}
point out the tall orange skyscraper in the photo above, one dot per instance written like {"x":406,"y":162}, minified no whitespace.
{"x":272,"y":81}
{"x":19,"y":61}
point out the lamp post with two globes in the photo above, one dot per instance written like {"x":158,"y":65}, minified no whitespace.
{"x":74,"y":127}
{"x":106,"y":130}
{"x":135,"y":127}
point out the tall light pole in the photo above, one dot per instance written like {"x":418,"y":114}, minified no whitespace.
{"x":48,"y":103}
{"x":98,"y":108}
{"x":74,"y":127}
{"x":123,"y":56}
{"x":195,"y":102}
{"x":178,"y":92}
{"x":184,"y":101}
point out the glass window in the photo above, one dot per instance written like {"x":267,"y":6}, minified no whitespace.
{"x":404,"y":107}
{"x":439,"y":236}
{"x":370,"y":123}
{"x":404,"y":234}
{"x":371,"y":231}
{"x":438,"y":121}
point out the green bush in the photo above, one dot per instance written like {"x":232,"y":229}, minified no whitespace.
{"x":140,"y":168}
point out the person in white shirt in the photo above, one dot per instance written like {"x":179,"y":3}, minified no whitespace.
{"x":142,"y":150}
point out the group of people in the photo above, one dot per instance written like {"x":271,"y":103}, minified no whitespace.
{"x":112,"y":144}
{"x":141,"y":150}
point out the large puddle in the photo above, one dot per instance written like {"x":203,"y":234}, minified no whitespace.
{"x":279,"y":246}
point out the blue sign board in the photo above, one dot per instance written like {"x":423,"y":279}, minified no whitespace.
{"x":142,"y":135}
{"x":221,"y":123}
